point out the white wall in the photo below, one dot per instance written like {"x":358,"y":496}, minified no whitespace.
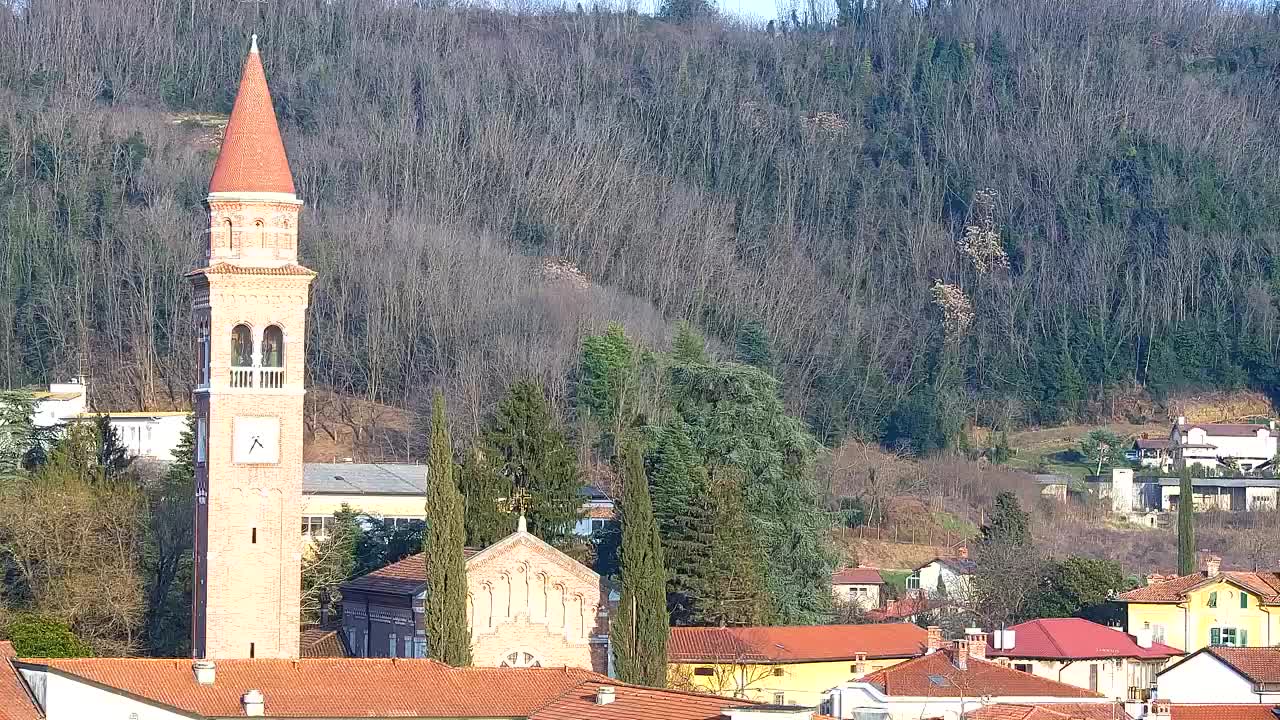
{"x":868,"y":596}
{"x":1206,"y":679}
{"x":68,"y":699}
{"x":150,"y":436}
{"x":848,"y":700}
{"x":957,"y":585}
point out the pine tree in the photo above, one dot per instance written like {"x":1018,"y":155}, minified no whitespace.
{"x":483,"y":486}
{"x":606,"y":390}
{"x":113,"y":456}
{"x":524,"y":437}
{"x":753,"y":345}
{"x":1186,"y":523}
{"x":640,"y":627}
{"x":731,"y":590}
{"x":680,"y":509}
{"x":1008,"y":523}
{"x":688,"y":345}
{"x":445,"y":607}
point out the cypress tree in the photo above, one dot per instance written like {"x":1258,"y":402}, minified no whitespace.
{"x":1186,"y":524}
{"x":445,"y":607}
{"x":640,"y":627}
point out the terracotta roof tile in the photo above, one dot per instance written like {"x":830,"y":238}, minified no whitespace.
{"x":322,"y":642}
{"x":1224,"y":712}
{"x":252,"y":158}
{"x":403,"y":577}
{"x":936,"y":675}
{"x":15,"y":703}
{"x":230,"y":269}
{"x":1076,"y":639}
{"x":1259,"y":664}
{"x":1263,"y":584}
{"x":797,"y":643}
{"x":635,"y":703}
{"x":857,"y":576}
{"x":1050,"y":711}
{"x":323,"y":687}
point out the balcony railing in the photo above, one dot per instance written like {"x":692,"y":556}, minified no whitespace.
{"x":1139,"y":694}
{"x":263,"y":378}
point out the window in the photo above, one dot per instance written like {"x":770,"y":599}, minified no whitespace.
{"x":1093,"y":677}
{"x":393,"y":649}
{"x":519,"y":659}
{"x":317,"y":527}
{"x":273,"y":347}
{"x":777,"y":672}
{"x":1228,"y":637}
{"x":241,"y":346}
{"x":913,"y":581}
{"x":226,"y":228}
{"x":253,"y":538}
{"x":250,"y":650}
{"x":1213,"y":599}
{"x":351,"y":639}
{"x":419,"y":646}
{"x":1157,"y":633}
{"x":1244,"y":601}
{"x":1022,"y":667}
{"x":259,"y":234}
{"x":201,"y":428}
{"x":598,"y":525}
{"x":704,"y":671}
{"x":779,"y":699}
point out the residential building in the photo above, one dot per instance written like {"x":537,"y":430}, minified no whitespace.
{"x":1238,"y":446}
{"x":342,"y":689}
{"x":1244,"y":675}
{"x":1153,"y":452}
{"x":948,"y":684}
{"x":858,"y":585}
{"x":778,"y":665}
{"x":1228,"y":494}
{"x":598,"y":512}
{"x":1084,"y":654}
{"x":151,"y":435}
{"x":944,"y":576}
{"x":1050,"y":711}
{"x":529,"y":605}
{"x":1212,"y":607}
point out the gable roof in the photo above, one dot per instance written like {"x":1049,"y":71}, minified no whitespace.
{"x":1222,"y":712}
{"x":1077,"y":639}
{"x":632,"y":702}
{"x":322,"y":642}
{"x":15,"y":702}
{"x":1256,"y":664}
{"x":407,"y":576}
{"x":1226,"y":429}
{"x":252,"y":157}
{"x":364,"y":479}
{"x":796,"y":643}
{"x":327,"y":687}
{"x":857,"y":576}
{"x":960,"y":565}
{"x":1050,"y":711}
{"x":936,"y":675}
{"x":1265,"y":585}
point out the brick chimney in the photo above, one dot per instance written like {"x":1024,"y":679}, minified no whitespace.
{"x":977,"y":643}
{"x":1212,"y":563}
{"x":962,"y":654}
{"x":933,"y":639}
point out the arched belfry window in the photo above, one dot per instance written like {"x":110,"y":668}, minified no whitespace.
{"x":273,"y":347}
{"x":259,"y":234}
{"x":241,"y":346}
{"x":226,"y":228}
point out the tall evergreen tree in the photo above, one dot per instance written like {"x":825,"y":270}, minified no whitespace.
{"x":731,"y":589}
{"x":483,"y":487}
{"x":606,"y":389}
{"x":638,"y":636}
{"x":753,"y":345}
{"x":524,"y":437}
{"x":445,"y":607}
{"x":688,"y":344}
{"x":113,"y":456}
{"x":1186,"y":523}
{"x":1008,"y":523}
{"x":681,"y":510}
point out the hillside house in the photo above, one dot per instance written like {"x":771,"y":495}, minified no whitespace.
{"x":944,"y":576}
{"x":1085,"y":654}
{"x":1223,"y":675}
{"x":1216,"y":446}
{"x":151,"y":435}
{"x":858,"y":585}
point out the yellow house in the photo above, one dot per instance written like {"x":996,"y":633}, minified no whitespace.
{"x":792,"y":665}
{"x":1209,"y":608}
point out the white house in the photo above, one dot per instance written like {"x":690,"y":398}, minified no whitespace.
{"x":1223,"y":675}
{"x":949,"y":684}
{"x":950,"y":576}
{"x":149,"y":434}
{"x":860,"y":585}
{"x":1222,"y":445}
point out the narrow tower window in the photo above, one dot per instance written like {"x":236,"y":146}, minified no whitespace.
{"x":259,"y":234}
{"x":254,"y":536}
{"x":226,"y":226}
{"x":273,"y":347}
{"x":241,"y":346}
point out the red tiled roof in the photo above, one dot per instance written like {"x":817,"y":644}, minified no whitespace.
{"x":1051,"y":711}
{"x":1265,"y":585}
{"x":905,"y":607}
{"x":323,"y":687}
{"x":15,"y":703}
{"x":403,"y":577}
{"x":1224,"y":712}
{"x":796,"y":643}
{"x":857,"y":576}
{"x":322,"y":642}
{"x":1259,"y":664}
{"x":252,"y":158}
{"x":229,"y":269}
{"x":1076,"y":639}
{"x":634,"y":703}
{"x":936,"y":675}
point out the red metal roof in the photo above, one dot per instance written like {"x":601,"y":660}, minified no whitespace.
{"x":796,"y":643}
{"x":857,"y":576}
{"x":1077,"y":639}
{"x":936,"y":675}
{"x":252,"y":158}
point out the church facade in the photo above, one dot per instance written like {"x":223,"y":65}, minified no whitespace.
{"x":528,"y":605}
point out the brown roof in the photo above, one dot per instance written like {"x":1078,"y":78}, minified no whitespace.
{"x":1227,"y":429}
{"x":857,"y":576}
{"x":1153,"y":443}
{"x":936,"y":675}
{"x":796,"y":643}
{"x":15,"y":703}
{"x":1224,"y":712}
{"x":327,"y":687}
{"x":403,"y":577}
{"x":252,"y":158}
{"x":1265,"y":585}
{"x":322,"y":642}
{"x":1051,"y":711}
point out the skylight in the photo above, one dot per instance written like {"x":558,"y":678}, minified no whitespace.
{"x":939,"y":680}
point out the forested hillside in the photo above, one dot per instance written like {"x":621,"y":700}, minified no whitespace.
{"x":802,"y":193}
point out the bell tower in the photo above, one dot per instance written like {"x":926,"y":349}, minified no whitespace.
{"x":249,"y":307}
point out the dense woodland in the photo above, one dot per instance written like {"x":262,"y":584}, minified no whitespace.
{"x":805,"y":185}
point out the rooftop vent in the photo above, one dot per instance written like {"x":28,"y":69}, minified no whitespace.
{"x":204,"y":671}
{"x":605,"y":695}
{"x":254,"y":703}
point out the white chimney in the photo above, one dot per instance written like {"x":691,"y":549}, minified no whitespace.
{"x":1182,"y":420}
{"x":1212,"y":564}
{"x":1003,"y":639}
{"x":254,"y":703}
{"x":204,"y":670}
{"x":605,"y":695}
{"x":1142,"y":636}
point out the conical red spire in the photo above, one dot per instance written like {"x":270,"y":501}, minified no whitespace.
{"x":252,"y":157}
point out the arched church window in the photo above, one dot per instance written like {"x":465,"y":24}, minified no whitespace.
{"x":259,"y":234}
{"x":226,"y":227}
{"x":273,"y":347}
{"x":520,"y":659}
{"x":241,"y":346}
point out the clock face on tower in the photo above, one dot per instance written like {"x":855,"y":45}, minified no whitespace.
{"x":256,"y":441}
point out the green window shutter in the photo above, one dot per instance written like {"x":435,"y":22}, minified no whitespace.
{"x":1244,"y":639}
{"x":1244,"y":600}
{"x":1215,"y":636}
{"x":1213,"y":599}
